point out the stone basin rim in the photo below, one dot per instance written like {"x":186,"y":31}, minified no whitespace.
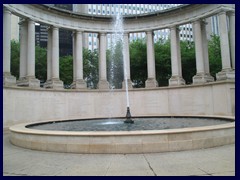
{"x":22,"y":128}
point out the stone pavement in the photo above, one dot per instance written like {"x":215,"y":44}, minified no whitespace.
{"x":219,"y":161}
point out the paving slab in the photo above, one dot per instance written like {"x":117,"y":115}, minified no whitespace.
{"x":219,"y":161}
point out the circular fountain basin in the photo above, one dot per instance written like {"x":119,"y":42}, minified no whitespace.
{"x":146,"y":135}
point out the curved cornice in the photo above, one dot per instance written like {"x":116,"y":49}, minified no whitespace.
{"x":133,"y":23}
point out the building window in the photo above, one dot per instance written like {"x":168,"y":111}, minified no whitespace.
{"x":90,"y":43}
{"x":98,"y":11}
{"x":89,"y":10}
{"x":90,"y":35}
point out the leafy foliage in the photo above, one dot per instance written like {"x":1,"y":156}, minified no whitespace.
{"x":90,"y":67}
{"x":214,"y":51}
{"x":66,"y":69}
{"x":162,"y":62}
{"x":41,"y":63}
{"x":15,"y":58}
{"x":188,"y":60}
{"x":115,"y":74}
{"x":138,"y":62}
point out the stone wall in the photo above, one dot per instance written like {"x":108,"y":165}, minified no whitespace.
{"x":22,"y":105}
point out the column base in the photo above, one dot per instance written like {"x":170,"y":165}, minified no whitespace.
{"x":151,"y":82}
{"x":129,"y":82}
{"x":79,"y":84}
{"x":176,"y":81}
{"x":29,"y":81}
{"x":8,"y":79}
{"x":103,"y":84}
{"x":224,"y":75}
{"x":53,"y":84}
{"x":202,"y":78}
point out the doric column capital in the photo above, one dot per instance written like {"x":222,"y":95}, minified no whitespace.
{"x":22,"y":21}
{"x":150,"y":32}
{"x":30,"y":21}
{"x":102,"y":33}
{"x":197,"y":21}
{"x":176,"y":28}
{"x":6,"y":10}
{"x":49,"y":28}
{"x":55,"y":28}
{"x":231,"y":13}
{"x":173,"y":27}
{"x":78,"y":31}
{"x":73,"y":33}
{"x":222,"y":12}
{"x":203,"y":22}
{"x":126,"y":34}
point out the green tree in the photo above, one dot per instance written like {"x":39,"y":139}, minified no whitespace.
{"x":115,"y":74}
{"x":15,"y":57}
{"x":163,"y":61}
{"x":90,"y":67}
{"x":188,"y":60}
{"x":41,"y":63}
{"x":214,"y":51}
{"x":66,"y":69}
{"x":138,"y":61}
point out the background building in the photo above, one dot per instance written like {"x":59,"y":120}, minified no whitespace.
{"x":65,"y":36}
{"x":90,"y":39}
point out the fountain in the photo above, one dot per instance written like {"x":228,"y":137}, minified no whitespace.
{"x":118,"y":38}
{"x":75,"y":122}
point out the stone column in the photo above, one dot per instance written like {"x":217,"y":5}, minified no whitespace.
{"x":201,"y":76}
{"x":31,"y":79}
{"x":55,"y":82}
{"x":126,"y":61}
{"x":49,"y":54}
{"x":176,"y":65}
{"x":103,"y":83}
{"x":207,"y":75}
{"x":49,"y":59}
{"x":226,"y":72}
{"x":74,"y":55}
{"x":232,"y":37}
{"x":151,"y":81}
{"x":22,"y":81}
{"x":8,"y":79}
{"x":79,"y":83}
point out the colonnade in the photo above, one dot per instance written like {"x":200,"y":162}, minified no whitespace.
{"x":27,"y":55}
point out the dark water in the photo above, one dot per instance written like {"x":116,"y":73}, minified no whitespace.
{"x":117,"y":124}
